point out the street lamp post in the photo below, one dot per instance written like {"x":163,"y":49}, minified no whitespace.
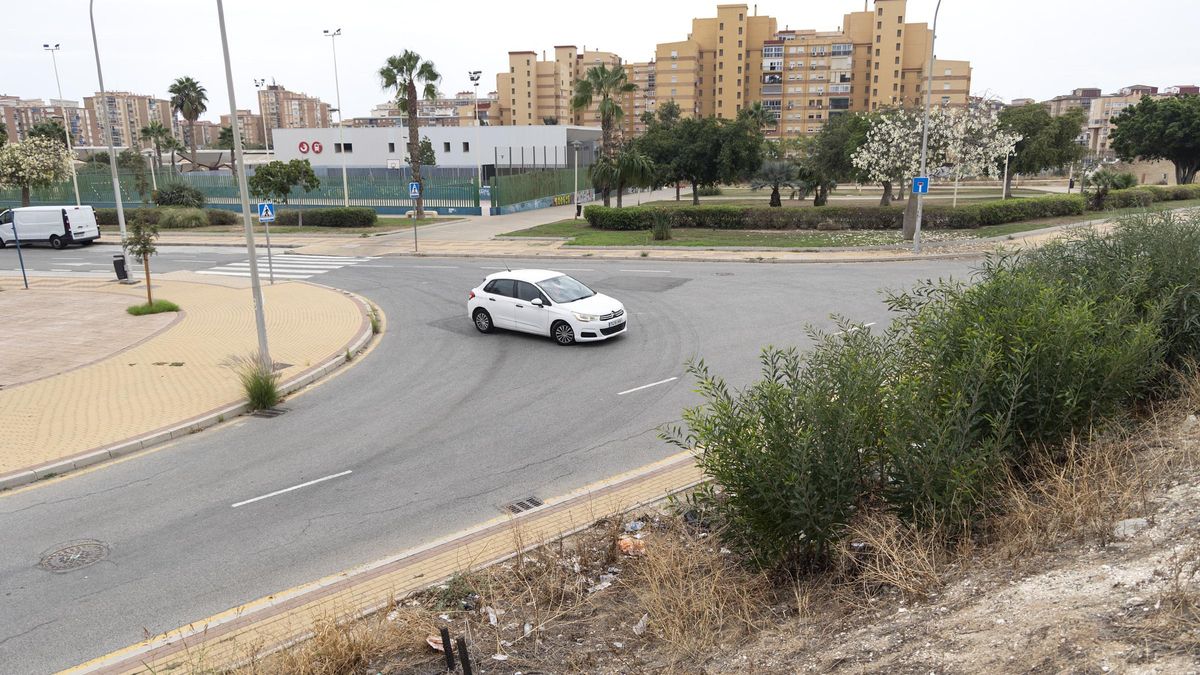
{"x":66,"y":120}
{"x":260,"y":322}
{"x":112,"y":153}
{"x":925,"y":127}
{"x":258,"y":85}
{"x":333,"y":34}
{"x":575,"y":145}
{"x":475,"y":74}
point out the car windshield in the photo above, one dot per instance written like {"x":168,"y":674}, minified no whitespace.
{"x":564,"y":289}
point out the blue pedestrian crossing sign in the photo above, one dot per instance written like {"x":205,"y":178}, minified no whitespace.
{"x":414,"y":190}
{"x":266,"y":212}
{"x":921,"y":185}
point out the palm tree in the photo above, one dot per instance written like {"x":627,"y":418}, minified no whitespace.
{"x":156,"y":133}
{"x":629,"y":168}
{"x":190,"y":100}
{"x":776,"y":173}
{"x":605,"y":84}
{"x":758,"y":115}
{"x":405,"y":73}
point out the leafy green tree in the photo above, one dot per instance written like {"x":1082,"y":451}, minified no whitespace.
{"x":828,"y":156}
{"x":131,"y":160}
{"x":427,"y":156}
{"x":742,"y":148}
{"x":1046,"y":142}
{"x":34,"y":162}
{"x":659,"y":143}
{"x":757,"y":115}
{"x":3,"y":133}
{"x":775,"y":173}
{"x":157,"y":134}
{"x":1161,"y":129}
{"x":697,"y":144}
{"x":276,"y":180}
{"x":190,"y":100}
{"x":406,"y":74}
{"x":140,"y":243}
{"x":52,"y":129}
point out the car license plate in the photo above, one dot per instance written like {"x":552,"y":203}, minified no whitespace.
{"x":615,"y":322}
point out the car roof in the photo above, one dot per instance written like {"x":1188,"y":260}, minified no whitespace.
{"x":531,"y":276}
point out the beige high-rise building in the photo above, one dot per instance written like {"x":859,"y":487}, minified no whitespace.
{"x":250,"y":126}
{"x":291,"y":110}
{"x":19,"y":115}
{"x":126,"y":115}
{"x":876,"y":59}
{"x":539,"y":91}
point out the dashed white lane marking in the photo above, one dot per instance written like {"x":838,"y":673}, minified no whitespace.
{"x":647,"y":386}
{"x":294,"y":487}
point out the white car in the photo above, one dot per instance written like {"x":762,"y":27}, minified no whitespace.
{"x":545,"y":303}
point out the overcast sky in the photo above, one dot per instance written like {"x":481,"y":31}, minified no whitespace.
{"x":1019,"y":48}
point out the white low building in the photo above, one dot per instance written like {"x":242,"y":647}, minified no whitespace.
{"x":461,"y":147}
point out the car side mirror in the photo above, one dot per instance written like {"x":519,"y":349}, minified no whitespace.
{"x":536,"y":302}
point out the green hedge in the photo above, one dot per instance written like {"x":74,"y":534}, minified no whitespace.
{"x":1145,"y":195}
{"x":153,"y":216}
{"x":835,"y":217}
{"x":354,"y":216}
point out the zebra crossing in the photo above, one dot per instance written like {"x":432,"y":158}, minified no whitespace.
{"x":288,"y":266}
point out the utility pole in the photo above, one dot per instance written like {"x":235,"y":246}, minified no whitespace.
{"x":260,"y":321}
{"x":925,"y":127}
{"x":66,"y":121}
{"x":333,"y":35}
{"x":258,"y":85}
{"x":575,"y":145}
{"x":475,"y":74}
{"x":112,"y":153}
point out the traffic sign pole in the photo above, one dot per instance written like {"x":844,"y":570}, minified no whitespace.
{"x":266,"y":214}
{"x":414,"y":191}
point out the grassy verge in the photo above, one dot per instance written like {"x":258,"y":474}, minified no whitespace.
{"x":580,"y":233}
{"x":158,"y":307}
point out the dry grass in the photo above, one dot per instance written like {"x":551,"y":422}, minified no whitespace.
{"x":880,"y":552}
{"x":696,"y":595}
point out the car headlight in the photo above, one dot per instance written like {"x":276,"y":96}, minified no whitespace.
{"x":585,"y":318}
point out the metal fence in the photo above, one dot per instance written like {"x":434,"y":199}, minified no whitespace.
{"x":446,"y":190}
{"x":531,"y":185}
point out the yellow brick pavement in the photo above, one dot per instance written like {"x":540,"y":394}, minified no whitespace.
{"x":259,"y":627}
{"x":175,"y":376}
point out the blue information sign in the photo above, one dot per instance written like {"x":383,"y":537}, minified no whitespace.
{"x":921,"y":185}
{"x":266,"y":212}
{"x":414,"y":189}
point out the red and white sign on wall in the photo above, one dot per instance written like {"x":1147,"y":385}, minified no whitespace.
{"x":303,"y":147}
{"x":317,"y":147}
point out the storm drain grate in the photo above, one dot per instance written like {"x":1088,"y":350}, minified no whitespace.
{"x":268,"y":412}
{"x":73,"y":555}
{"x":523,"y":505}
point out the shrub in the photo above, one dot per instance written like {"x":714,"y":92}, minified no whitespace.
{"x":222,"y":217}
{"x":660,"y":225}
{"x":179,"y":194}
{"x":1112,"y":179}
{"x":354,"y":216}
{"x":157,"y":307}
{"x":151,"y":216}
{"x":1126,"y":199}
{"x":180,"y":218}
{"x":259,"y":382}
{"x":708,"y":191}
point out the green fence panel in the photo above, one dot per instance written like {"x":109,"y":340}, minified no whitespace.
{"x":523,"y":187}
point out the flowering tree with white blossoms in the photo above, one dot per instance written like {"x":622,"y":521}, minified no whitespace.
{"x":34,"y":162}
{"x":891,"y":155}
{"x":975,"y":142}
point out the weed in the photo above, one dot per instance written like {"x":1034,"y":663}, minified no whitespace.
{"x":349,"y":356}
{"x":157,"y":307}
{"x":645,"y":254}
{"x":376,"y":321}
{"x":259,"y":382}
{"x":881,"y":551}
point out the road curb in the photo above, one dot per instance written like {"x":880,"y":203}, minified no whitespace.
{"x":242,"y":244}
{"x":745,"y":260}
{"x":199,"y":422}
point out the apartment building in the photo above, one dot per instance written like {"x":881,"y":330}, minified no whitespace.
{"x":538,"y":91}
{"x":19,"y":115}
{"x":126,"y":115}
{"x":291,"y":110}
{"x":250,"y":126}
{"x":1100,"y":109}
{"x":207,"y":133}
{"x":444,"y":111}
{"x":875,"y":59}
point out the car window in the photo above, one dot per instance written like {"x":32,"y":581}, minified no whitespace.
{"x":528,"y":292}
{"x":501,"y":287}
{"x":565,"y":289}
{"x":6,"y":217}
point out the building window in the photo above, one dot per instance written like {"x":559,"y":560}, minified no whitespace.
{"x":948,"y":72}
{"x":349,"y":147}
{"x":898,"y":32}
{"x":391,"y":147}
{"x":897,"y":60}
{"x":878,"y":39}
{"x":466,"y":147}
{"x":878,"y":25}
{"x":879,"y":11}
{"x":721,"y":39}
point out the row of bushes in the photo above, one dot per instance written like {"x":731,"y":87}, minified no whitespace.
{"x":1146,"y":195}
{"x":835,"y":217}
{"x":184,"y":218}
{"x":972,"y":387}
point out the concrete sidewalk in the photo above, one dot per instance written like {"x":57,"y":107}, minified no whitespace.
{"x":174,"y":381}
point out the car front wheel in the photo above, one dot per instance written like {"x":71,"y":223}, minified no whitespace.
{"x":562,"y":333}
{"x":483,"y":321}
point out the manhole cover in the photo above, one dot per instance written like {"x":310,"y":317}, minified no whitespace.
{"x":523,"y":505}
{"x":73,"y":555}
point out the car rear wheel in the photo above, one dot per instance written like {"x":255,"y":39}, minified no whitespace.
{"x":562,"y":333}
{"x":483,"y":321}
{"x":57,"y":242}
{"x":2,"y":244}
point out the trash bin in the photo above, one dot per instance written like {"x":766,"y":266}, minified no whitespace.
{"x":119,"y":267}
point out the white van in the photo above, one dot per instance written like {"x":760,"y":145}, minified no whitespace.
{"x":55,"y":225}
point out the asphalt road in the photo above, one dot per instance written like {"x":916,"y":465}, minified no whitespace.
{"x":438,"y":427}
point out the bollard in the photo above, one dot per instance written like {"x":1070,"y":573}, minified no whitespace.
{"x":463,"y":656}
{"x":448,"y":649}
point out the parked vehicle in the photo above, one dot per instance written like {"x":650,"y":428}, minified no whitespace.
{"x":545,"y":303}
{"x":58,"y":226}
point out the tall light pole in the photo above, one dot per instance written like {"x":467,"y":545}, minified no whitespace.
{"x":575,"y":145}
{"x":112,"y":153}
{"x":475,"y":74}
{"x":925,"y":127}
{"x":258,"y":85}
{"x":333,"y":34}
{"x":260,"y":321}
{"x":66,"y":120}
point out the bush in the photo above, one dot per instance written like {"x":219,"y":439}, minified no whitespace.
{"x":708,"y":191}
{"x":223,"y":217}
{"x":179,"y":194}
{"x":158,"y":307}
{"x":834,"y":217}
{"x":259,"y":382}
{"x":660,"y":225}
{"x":354,"y":216}
{"x":180,"y":218}
{"x":151,"y":216}
{"x":1126,"y":199}
{"x":1107,"y":178}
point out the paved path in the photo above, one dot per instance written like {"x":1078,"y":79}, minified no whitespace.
{"x":180,"y":373}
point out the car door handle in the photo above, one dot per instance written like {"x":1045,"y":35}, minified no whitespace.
{"x":520,"y":306}
{"x":491,"y":299}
